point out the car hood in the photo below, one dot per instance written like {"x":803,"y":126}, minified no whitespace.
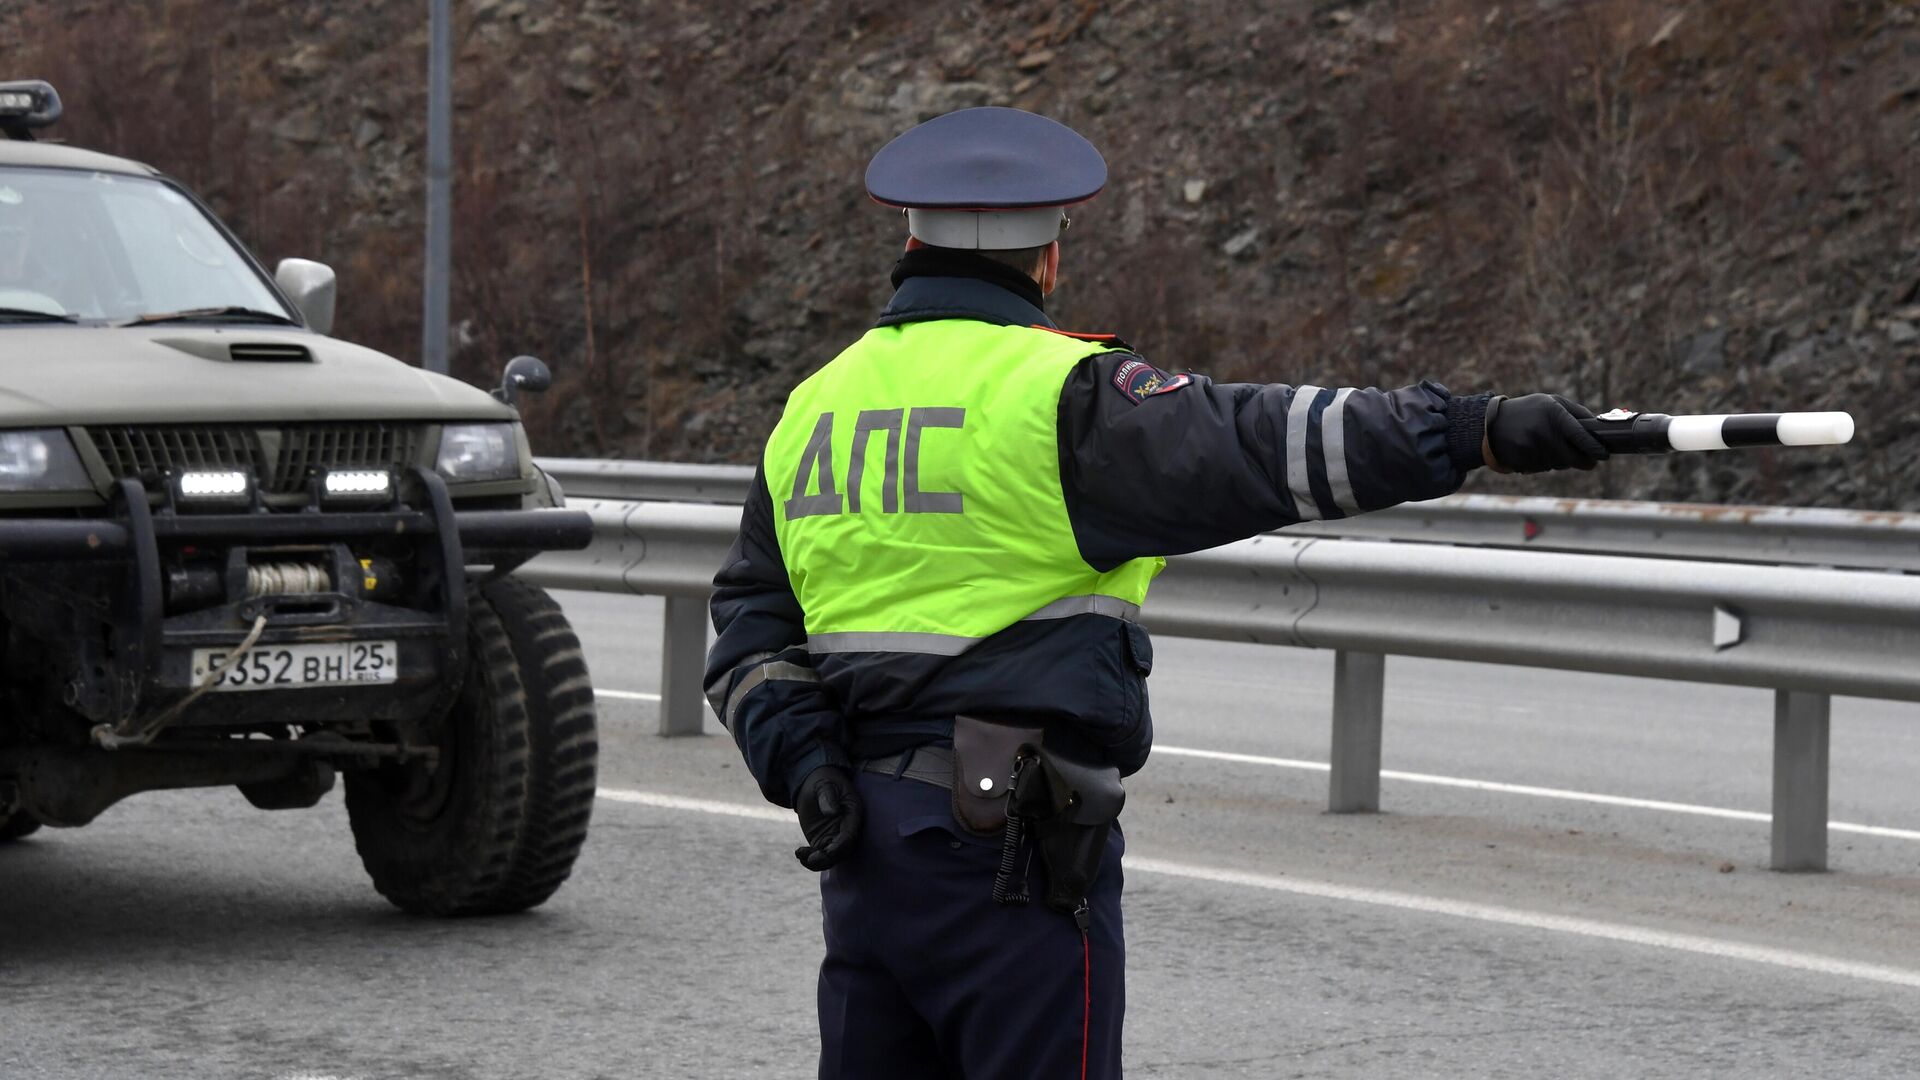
{"x":60,"y":375}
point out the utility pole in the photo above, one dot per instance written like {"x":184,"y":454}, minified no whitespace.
{"x":433,"y":330}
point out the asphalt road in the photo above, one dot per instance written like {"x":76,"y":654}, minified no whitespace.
{"x":1469,"y":931}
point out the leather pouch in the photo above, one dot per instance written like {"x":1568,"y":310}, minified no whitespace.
{"x":983,"y":757}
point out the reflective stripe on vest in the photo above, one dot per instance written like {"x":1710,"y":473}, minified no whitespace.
{"x":916,"y":491}
{"x":948,"y":645}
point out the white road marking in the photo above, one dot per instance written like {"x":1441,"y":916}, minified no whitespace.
{"x":1460,"y":909}
{"x":625,"y":695}
{"x":1472,"y":785}
{"x":703,"y":806}
{"x":1562,"y":924}
{"x":1537,"y":792}
{"x":1245,"y":759}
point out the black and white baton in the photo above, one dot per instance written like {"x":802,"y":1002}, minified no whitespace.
{"x":1623,"y":432}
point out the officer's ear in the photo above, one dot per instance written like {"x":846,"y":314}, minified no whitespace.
{"x":914,"y":244}
{"x":1050,"y":269}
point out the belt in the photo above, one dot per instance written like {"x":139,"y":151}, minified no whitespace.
{"x":928,"y":764}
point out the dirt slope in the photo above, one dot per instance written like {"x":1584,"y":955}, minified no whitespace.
{"x":1684,"y":206}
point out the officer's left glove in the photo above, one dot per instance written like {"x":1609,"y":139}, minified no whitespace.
{"x":830,"y":814}
{"x":1539,"y":432}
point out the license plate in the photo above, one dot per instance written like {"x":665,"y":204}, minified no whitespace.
{"x":275,"y":667}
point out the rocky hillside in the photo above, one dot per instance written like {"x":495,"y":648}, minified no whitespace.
{"x":1690,"y":205}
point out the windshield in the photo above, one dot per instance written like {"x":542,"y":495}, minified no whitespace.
{"x":105,"y":246}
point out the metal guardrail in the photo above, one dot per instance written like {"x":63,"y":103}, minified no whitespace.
{"x":1753,"y":534}
{"x":649,"y":481}
{"x":1807,"y":633}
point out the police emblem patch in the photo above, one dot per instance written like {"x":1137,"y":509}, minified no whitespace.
{"x":1139,"y":380}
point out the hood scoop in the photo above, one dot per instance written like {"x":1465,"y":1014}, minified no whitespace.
{"x":269,"y":352}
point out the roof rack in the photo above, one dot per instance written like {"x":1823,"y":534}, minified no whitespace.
{"x":27,"y":104}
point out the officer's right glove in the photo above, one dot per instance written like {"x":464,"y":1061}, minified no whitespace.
{"x":830,"y":814}
{"x":1539,"y":432}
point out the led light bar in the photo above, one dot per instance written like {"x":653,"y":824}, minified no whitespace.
{"x":26,"y":104}
{"x":357,"y":484}
{"x":213,"y":486}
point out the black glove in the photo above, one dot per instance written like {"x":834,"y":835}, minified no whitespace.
{"x":1538,"y":432}
{"x":830,"y":814}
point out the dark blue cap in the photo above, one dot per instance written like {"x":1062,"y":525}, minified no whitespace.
{"x":987,"y":159}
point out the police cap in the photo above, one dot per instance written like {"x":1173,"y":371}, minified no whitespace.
{"x":988,"y":178}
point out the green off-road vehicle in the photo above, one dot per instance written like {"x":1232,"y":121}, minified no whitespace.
{"x":236,"y":551}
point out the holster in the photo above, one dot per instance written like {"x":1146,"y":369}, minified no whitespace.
{"x":1073,"y":841}
{"x":1070,"y":805}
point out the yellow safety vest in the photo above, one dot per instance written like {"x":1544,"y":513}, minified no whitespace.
{"x":916,"y":491}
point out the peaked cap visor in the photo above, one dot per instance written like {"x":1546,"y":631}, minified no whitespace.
{"x":989,"y":158}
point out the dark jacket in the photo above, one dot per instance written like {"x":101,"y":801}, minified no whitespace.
{"x":1151,"y":463}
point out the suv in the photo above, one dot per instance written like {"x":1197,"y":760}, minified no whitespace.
{"x":236,"y":551}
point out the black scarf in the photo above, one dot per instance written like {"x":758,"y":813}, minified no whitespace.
{"x":952,"y":262}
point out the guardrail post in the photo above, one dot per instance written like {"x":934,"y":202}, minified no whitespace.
{"x":683,"y":663}
{"x":1359,"y":688}
{"x":1802,"y":722}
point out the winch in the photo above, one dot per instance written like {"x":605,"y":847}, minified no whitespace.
{"x":287,"y":579}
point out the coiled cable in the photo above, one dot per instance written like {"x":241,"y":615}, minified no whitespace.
{"x":287,"y":579}
{"x":1009,"y":883}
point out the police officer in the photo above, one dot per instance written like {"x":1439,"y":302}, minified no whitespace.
{"x":960,"y":516}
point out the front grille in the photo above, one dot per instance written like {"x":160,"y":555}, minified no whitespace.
{"x":341,"y":446}
{"x":281,"y":458}
{"x":143,"y":452}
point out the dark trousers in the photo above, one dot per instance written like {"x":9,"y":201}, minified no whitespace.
{"x":926,"y":976}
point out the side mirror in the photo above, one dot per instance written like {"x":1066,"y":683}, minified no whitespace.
{"x":311,"y":287}
{"x":523,"y":373}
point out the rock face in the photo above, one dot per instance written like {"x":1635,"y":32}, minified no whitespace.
{"x":1695,"y":205}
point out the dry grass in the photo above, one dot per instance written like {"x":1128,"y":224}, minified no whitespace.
{"x":663,"y":203}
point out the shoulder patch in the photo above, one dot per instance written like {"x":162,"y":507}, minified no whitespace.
{"x":1139,"y":380}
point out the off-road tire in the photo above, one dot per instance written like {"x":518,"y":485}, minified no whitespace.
{"x":17,"y":826}
{"x":522,"y":744}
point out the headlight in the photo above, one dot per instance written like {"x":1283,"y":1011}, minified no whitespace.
{"x":470,"y":452}
{"x":42,"y":460}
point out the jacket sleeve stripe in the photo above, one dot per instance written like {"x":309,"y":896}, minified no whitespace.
{"x":1333,"y":441}
{"x":717,"y":689}
{"x":771,"y":671}
{"x":1297,"y":451}
{"x":1301,"y":424}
